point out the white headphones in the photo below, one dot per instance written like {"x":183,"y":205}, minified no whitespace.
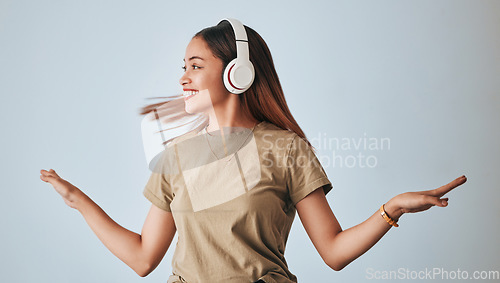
{"x":239,"y":73}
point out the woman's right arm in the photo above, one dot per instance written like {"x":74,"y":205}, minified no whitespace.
{"x":141,"y":252}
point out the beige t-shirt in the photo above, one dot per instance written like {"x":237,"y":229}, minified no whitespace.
{"x":233,"y":200}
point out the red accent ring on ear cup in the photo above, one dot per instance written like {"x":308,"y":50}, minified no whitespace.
{"x":229,"y":78}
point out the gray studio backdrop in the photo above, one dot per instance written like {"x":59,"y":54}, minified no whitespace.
{"x":396,"y":95}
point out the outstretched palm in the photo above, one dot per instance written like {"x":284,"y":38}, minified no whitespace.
{"x":63,"y":187}
{"x":419,"y":201}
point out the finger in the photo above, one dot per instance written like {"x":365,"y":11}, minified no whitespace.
{"x":54,"y":172}
{"x":436,"y":201}
{"x":51,"y":172}
{"x":439,"y":192}
{"x":46,"y":173}
{"x":47,"y":178}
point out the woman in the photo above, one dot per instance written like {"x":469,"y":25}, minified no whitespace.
{"x":231,"y":190}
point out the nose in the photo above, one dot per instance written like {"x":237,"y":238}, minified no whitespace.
{"x":185,"y":79}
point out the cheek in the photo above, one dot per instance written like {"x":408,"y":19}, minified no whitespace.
{"x":216,"y":85}
{"x":217,"y":81}
{"x":208,"y":81}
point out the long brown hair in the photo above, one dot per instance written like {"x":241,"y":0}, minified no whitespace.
{"x":264,"y":100}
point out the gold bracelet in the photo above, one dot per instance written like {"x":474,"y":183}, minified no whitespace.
{"x":387,"y":218}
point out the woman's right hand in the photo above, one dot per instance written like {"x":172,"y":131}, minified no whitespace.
{"x":68,"y":192}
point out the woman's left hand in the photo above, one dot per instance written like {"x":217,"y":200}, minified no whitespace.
{"x":420,"y":201}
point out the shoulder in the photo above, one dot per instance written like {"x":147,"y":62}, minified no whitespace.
{"x":270,"y":135}
{"x":273,"y":131}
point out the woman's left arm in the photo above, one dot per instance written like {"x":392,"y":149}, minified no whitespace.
{"x":339,"y":248}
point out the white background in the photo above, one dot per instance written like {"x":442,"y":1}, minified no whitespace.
{"x":424,"y":74}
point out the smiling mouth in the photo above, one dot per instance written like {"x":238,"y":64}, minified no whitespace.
{"x":190,"y":93}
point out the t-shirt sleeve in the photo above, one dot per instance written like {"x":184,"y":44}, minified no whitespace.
{"x":158,"y":190}
{"x":304,"y":171}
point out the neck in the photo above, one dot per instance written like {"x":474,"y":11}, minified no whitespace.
{"x":230,"y":115}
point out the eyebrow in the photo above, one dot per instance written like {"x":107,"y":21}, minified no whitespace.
{"x":194,"y":57}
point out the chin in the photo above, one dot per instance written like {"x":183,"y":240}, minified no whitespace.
{"x":190,"y":110}
{"x":201,"y":103}
{"x":194,"y":108}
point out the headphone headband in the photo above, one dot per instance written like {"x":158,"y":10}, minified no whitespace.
{"x":239,"y":73}
{"x":241,"y":38}
{"x":238,"y":28}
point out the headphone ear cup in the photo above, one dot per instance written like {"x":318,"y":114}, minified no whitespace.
{"x":226,"y":76}
{"x":243,"y":75}
{"x":238,"y":76}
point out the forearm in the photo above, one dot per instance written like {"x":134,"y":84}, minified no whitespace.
{"x":123,"y":243}
{"x":351,"y":243}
